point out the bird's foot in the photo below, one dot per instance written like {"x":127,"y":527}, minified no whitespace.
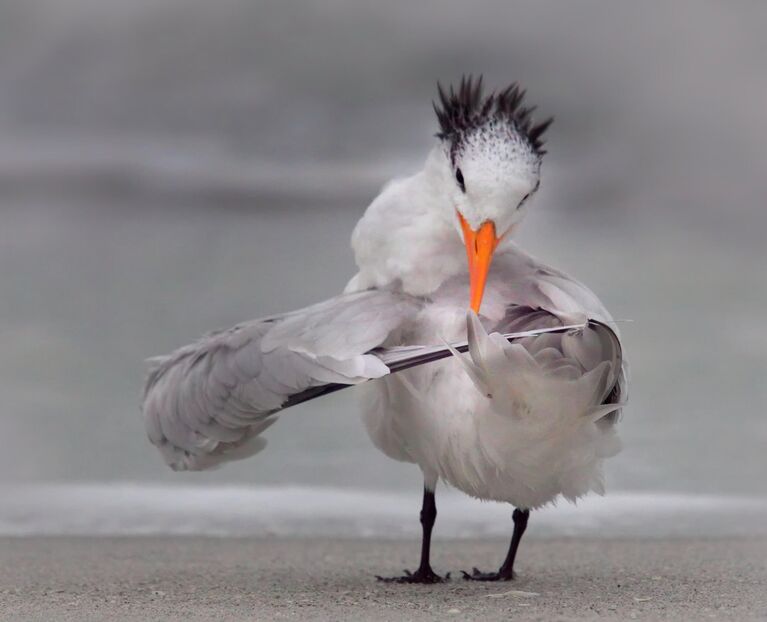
{"x":500,"y":575}
{"x":422,"y":575}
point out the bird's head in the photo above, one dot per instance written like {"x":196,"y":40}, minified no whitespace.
{"x":492,"y":158}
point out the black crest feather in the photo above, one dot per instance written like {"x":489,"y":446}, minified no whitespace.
{"x":459,"y":111}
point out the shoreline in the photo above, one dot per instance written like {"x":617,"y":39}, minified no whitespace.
{"x":202,"y":578}
{"x":141,"y":509}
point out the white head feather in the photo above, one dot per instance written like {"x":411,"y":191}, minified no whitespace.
{"x":485,"y":166}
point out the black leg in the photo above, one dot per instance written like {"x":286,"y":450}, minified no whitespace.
{"x":506,"y":571}
{"x":424,"y":574}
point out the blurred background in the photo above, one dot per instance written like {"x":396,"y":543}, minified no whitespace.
{"x":172,"y":166}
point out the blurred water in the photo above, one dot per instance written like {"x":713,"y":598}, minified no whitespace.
{"x":227,"y":510}
{"x":89,"y":292}
{"x":171,"y":167}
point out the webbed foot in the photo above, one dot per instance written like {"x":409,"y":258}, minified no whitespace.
{"x":422,"y":575}
{"x":500,"y":575}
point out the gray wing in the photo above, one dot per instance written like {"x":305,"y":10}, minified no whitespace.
{"x":208,"y":402}
{"x":542,"y":297}
{"x":573,"y":351}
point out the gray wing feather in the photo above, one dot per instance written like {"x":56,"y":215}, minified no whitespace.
{"x":545,"y":297}
{"x":580,"y":350}
{"x":208,"y":402}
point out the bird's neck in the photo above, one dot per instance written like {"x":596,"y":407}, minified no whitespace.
{"x":407,"y":237}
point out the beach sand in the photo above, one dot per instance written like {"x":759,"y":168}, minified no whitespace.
{"x":194,"y":578}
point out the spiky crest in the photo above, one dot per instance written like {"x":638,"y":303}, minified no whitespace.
{"x":461,"y":111}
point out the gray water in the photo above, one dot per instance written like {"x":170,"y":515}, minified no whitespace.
{"x":168,"y":168}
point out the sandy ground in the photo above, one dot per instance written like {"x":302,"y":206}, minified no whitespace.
{"x":190,"y":578}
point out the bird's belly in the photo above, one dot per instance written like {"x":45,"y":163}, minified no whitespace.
{"x":435,"y":417}
{"x":439,"y":421}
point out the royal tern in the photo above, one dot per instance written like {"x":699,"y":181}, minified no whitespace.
{"x":522,"y":419}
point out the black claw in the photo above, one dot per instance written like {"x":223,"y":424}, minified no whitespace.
{"x":476,"y":575}
{"x":419,"y":576}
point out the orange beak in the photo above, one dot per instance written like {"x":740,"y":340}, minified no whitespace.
{"x":480,"y":246}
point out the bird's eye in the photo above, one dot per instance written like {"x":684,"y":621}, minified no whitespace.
{"x":459,"y":179}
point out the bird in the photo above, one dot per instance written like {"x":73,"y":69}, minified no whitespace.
{"x":527,"y":416}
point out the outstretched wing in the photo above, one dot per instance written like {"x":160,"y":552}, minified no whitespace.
{"x":208,"y":402}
